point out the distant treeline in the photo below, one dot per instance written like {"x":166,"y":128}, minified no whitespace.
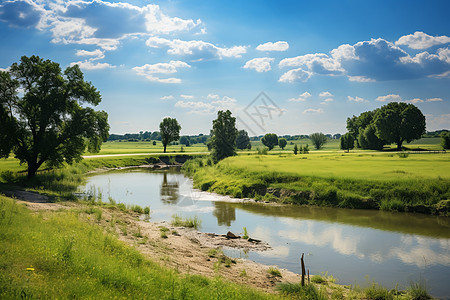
{"x":201,"y":138}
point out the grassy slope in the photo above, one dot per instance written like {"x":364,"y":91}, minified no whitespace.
{"x":58,"y":255}
{"x":416,"y":183}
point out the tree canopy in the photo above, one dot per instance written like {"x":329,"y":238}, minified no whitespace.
{"x":318,"y":139}
{"x":223,"y":136}
{"x":270,"y":140}
{"x":169,"y":129}
{"x":243,"y":140}
{"x":347,"y":142}
{"x":397,"y":122}
{"x":282,"y":143}
{"x":46,"y":122}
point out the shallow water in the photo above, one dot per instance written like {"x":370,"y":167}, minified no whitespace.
{"x":351,"y":245}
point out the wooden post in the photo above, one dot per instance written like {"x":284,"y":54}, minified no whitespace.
{"x":303,"y":270}
{"x":308,"y":277}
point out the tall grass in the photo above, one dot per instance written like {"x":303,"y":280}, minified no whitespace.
{"x":56,"y":255}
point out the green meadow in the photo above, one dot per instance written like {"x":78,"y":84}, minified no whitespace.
{"x":116,"y":147}
{"x":387,"y":181}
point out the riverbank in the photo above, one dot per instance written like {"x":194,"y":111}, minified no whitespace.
{"x":80,"y":250}
{"x":419,"y":183}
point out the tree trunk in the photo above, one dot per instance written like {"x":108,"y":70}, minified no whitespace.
{"x":399,"y":145}
{"x":32,"y":168}
{"x":165,"y":148}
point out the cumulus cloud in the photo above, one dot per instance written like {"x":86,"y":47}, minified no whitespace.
{"x":295,"y":75}
{"x":356,"y":99}
{"x":96,"y":54}
{"x":277,"y":46}
{"x":374,"y":60}
{"x":415,"y":100}
{"x":187,"y":96}
{"x":98,"y":22}
{"x":202,"y":107}
{"x":390,"y":98}
{"x":301,"y":98}
{"x":434,"y":100}
{"x":89,"y":65}
{"x":148,"y":71}
{"x":318,"y":63}
{"x":169,"y":97}
{"x":328,"y":100}
{"x":420,"y":40}
{"x":325,"y":94}
{"x":261,"y":64}
{"x":196,"y":49}
{"x":312,"y":111}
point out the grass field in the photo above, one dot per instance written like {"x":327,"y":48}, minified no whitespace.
{"x":61,"y":255}
{"x":418,"y":182}
{"x":116,"y":147}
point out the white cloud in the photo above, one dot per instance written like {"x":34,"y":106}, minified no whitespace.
{"x":415,"y":100}
{"x":201,"y":107}
{"x":169,"y":97}
{"x":261,"y":64}
{"x":98,"y":22}
{"x":213,"y":97}
{"x":277,"y":46}
{"x":360,"y":79}
{"x":295,"y":75}
{"x":5,"y":70}
{"x":98,"y":54}
{"x":368,"y":61}
{"x":318,"y":63}
{"x":390,"y":98}
{"x":438,"y":122}
{"x":197,"y":49}
{"x":313,"y":111}
{"x":187,"y":96}
{"x":326,"y":94}
{"x":420,"y":40}
{"x":328,"y":100}
{"x":91,"y":65}
{"x":301,"y":98}
{"x":148,"y":70}
{"x":356,"y":99}
{"x":434,"y":100}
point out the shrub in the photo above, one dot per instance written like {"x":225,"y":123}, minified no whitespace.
{"x":274,"y":271}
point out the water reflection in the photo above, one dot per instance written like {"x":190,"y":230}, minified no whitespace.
{"x":169,"y":190}
{"x":224,"y":213}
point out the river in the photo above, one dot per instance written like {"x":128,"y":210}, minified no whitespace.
{"x":355,"y":246}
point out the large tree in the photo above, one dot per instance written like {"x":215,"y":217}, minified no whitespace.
{"x":223,"y":136}
{"x":318,"y":139}
{"x":397,"y":122}
{"x":242,"y":140}
{"x":347,"y":142}
{"x":270,"y":140}
{"x":282,"y":143}
{"x":46,"y":122}
{"x":169,"y":129}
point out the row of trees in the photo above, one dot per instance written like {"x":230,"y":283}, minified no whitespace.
{"x":395,"y":122}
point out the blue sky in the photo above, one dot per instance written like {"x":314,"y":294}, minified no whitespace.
{"x":317,"y":62}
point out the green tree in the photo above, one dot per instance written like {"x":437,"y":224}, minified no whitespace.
{"x":318,"y":139}
{"x":397,"y":122}
{"x":445,"y":140}
{"x":270,"y":140}
{"x":367,"y":138}
{"x":242,"y":140}
{"x":185,"y":140}
{"x":169,"y":129}
{"x":223,"y":136}
{"x":47,"y":123}
{"x":295,"y":149}
{"x":282,"y":143}
{"x":347,"y":142}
